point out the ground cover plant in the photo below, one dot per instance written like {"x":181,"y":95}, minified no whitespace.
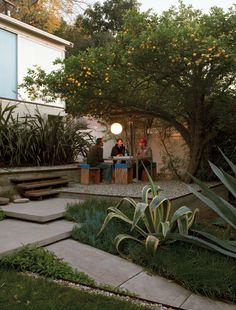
{"x":35,"y":140}
{"x":44,"y":263}
{"x":20,"y":292}
{"x":197,"y":269}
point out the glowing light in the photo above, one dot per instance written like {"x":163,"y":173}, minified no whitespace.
{"x":116,"y":128}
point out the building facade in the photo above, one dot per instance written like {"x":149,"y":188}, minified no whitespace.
{"x":21,"y":48}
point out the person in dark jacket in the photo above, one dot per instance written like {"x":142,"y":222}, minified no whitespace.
{"x":118,"y":149}
{"x":95,"y":159}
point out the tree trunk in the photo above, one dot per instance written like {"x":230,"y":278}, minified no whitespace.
{"x":195,"y":154}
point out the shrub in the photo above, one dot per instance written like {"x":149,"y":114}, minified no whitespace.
{"x":34,"y":140}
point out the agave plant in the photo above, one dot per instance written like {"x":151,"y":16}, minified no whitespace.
{"x":225,"y":210}
{"x":152,"y":224}
{"x":151,"y":219}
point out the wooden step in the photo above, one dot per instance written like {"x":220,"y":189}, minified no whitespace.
{"x":40,"y":193}
{"x":41,"y":184}
{"x":36,"y":178}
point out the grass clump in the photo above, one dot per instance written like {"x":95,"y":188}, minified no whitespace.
{"x":44,"y":263}
{"x":20,"y":292}
{"x":196,"y":269}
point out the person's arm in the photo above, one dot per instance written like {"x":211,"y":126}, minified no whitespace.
{"x":113,"y":152}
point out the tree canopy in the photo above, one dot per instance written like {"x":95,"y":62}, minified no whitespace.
{"x":179,"y":67}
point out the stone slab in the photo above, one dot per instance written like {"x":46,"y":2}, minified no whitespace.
{"x":14,"y":234}
{"x":196,"y":302}
{"x":101,"y":266}
{"x":157,"y":289}
{"x":39,"y":211}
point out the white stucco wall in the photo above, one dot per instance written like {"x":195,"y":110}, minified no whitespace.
{"x":33,"y":52}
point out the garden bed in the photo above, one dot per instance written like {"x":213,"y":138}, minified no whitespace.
{"x":199,"y":270}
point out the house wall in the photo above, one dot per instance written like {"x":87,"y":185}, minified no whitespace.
{"x":31,"y":49}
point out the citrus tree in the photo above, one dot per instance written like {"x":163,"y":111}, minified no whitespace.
{"x":179,"y":67}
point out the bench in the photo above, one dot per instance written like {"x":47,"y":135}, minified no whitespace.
{"x":123,"y":174}
{"x":89,"y":174}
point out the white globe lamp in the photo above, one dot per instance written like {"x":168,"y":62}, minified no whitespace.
{"x":116,"y":128}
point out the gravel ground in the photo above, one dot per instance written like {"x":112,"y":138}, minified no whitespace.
{"x":170,"y":189}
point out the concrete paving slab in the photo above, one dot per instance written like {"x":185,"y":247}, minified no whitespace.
{"x":39,"y":211}
{"x":14,"y":234}
{"x":157,"y":289}
{"x":196,"y":302}
{"x":101,"y":266}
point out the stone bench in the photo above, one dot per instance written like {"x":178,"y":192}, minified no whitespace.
{"x":123,"y":174}
{"x":89,"y":174}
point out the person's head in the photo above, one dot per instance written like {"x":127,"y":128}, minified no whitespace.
{"x":119,"y":142}
{"x":142,"y":143}
{"x":99,"y":142}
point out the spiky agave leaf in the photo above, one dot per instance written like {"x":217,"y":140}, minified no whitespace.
{"x":228,"y":181}
{"x":151,"y":244}
{"x":222,"y":207}
{"x":120,"y":239}
{"x":233,"y":167}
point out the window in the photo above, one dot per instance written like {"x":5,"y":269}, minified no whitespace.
{"x":8,"y":64}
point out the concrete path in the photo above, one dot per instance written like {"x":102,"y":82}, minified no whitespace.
{"x":39,"y":211}
{"x":111,"y":269}
{"x":14,"y":234}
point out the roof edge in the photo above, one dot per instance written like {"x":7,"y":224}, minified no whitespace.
{"x":32,"y":29}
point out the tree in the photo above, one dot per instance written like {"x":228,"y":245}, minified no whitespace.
{"x":179,"y":67}
{"x":44,"y":14}
{"x":97,"y":25}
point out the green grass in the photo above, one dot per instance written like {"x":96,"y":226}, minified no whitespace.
{"x":44,"y":263}
{"x":196,"y":269}
{"x":20,"y":292}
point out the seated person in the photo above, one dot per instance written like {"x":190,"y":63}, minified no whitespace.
{"x":144,"y":153}
{"x":118,"y":149}
{"x":95,"y":159}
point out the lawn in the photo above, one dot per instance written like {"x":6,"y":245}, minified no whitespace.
{"x":18,"y":291}
{"x":196,"y":269}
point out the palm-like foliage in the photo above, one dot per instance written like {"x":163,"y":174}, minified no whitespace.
{"x":152,"y":224}
{"x":34,"y":140}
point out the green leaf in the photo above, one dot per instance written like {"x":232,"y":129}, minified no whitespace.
{"x":223,"y":208}
{"x":119,"y":239}
{"x":153,"y":186}
{"x":145,"y":193}
{"x":201,"y":243}
{"x":225,"y":178}
{"x":233,"y":167}
{"x":165,"y":228}
{"x":222,"y":243}
{"x":139,"y":213}
{"x":151,"y":244}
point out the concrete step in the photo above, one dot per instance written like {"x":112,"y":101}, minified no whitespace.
{"x":39,"y":211}
{"x":15,"y":234}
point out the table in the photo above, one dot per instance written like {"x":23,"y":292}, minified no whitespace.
{"x":136,"y":159}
